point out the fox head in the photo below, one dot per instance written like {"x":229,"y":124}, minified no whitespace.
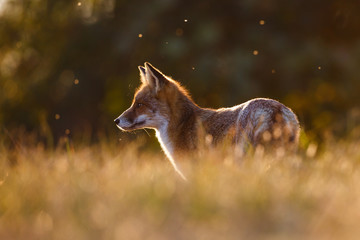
{"x":152,"y":103}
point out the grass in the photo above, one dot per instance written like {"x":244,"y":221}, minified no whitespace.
{"x":117,"y":191}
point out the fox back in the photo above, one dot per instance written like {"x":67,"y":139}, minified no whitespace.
{"x":181,"y":126}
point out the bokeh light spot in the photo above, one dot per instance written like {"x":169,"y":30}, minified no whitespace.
{"x":179,"y":32}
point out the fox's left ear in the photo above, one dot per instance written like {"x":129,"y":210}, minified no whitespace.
{"x":142,"y":74}
{"x":154,"y":77}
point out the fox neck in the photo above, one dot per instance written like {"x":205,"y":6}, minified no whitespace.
{"x":179,"y":135}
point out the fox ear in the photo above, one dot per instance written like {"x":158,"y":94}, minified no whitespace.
{"x":142,"y":74}
{"x":154,"y":77}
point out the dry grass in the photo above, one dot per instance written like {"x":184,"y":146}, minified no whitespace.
{"x":112,"y":192}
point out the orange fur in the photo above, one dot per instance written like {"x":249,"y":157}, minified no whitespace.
{"x":164,"y":105}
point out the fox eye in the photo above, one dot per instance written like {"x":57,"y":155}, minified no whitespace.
{"x":138,"y":105}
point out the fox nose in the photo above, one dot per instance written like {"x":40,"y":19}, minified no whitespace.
{"x":117,"y":121}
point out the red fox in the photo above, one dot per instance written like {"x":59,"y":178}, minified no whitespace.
{"x":163,"y":104}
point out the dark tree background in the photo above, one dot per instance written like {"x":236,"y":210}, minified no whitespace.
{"x":71,"y":66}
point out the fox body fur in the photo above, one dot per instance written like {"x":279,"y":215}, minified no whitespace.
{"x":181,"y":126}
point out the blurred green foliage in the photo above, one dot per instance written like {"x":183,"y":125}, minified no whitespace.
{"x":71,"y":66}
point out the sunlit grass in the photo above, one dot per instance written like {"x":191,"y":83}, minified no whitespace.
{"x":116,"y":191}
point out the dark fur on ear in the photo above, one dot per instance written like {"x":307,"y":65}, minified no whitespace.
{"x":154,"y":77}
{"x":142,"y":70}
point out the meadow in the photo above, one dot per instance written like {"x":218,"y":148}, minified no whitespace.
{"x":68,"y":68}
{"x":120,"y":190}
